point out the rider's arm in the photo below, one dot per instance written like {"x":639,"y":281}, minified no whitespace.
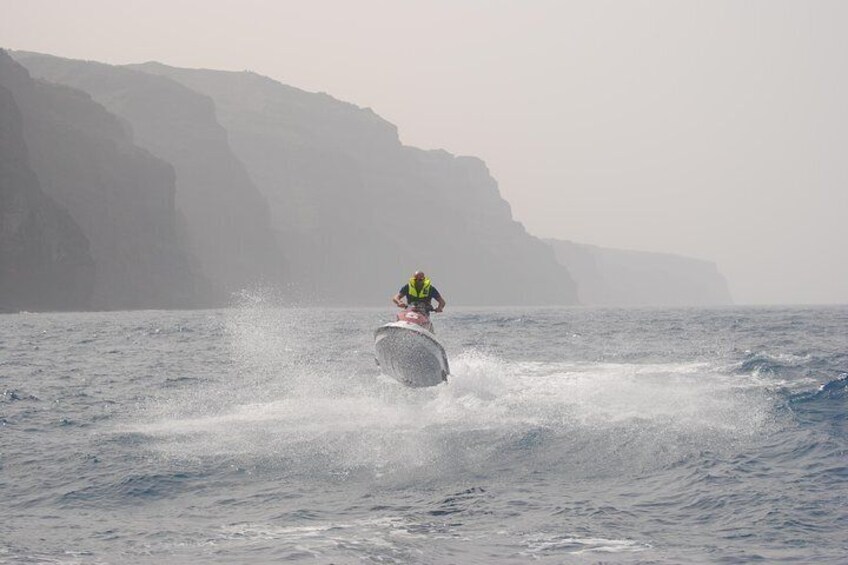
{"x":398,"y":298}
{"x":441,"y":302}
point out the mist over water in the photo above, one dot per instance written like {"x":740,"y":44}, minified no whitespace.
{"x":297,"y":401}
{"x":565,"y":435}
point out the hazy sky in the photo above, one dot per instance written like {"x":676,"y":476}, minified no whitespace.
{"x":715,"y":129}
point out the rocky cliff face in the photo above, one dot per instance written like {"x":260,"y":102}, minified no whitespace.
{"x":44,"y":259}
{"x":121,"y":196}
{"x":265,"y":173}
{"x":617,"y":277}
{"x":227,"y":219}
{"x":357,"y":212}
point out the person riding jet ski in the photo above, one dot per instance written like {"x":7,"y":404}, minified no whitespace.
{"x":419,"y":293}
{"x":407,"y":349}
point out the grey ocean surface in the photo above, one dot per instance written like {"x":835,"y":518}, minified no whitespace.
{"x":261,"y":434}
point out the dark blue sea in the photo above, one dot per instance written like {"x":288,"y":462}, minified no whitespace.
{"x":262,"y":434}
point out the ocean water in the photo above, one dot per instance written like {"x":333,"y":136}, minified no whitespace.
{"x":262,"y":434}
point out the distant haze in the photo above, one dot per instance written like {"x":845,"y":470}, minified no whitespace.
{"x":714,"y":129}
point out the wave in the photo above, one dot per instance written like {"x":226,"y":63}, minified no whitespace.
{"x":801,"y":369}
{"x":825,"y":405}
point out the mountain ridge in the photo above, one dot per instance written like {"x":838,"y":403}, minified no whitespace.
{"x":335,"y":171}
{"x":319,"y":198}
{"x":120,"y":195}
{"x":621,"y":277}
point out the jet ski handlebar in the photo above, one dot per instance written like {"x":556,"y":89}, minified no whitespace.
{"x":420,"y":307}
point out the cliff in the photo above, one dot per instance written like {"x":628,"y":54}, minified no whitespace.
{"x":45,"y":263}
{"x":226,"y":218}
{"x":617,"y":277}
{"x":118,"y":194}
{"x":356,"y":212}
{"x":267,"y":183}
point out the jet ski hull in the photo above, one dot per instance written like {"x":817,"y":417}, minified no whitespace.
{"x":411,"y":355}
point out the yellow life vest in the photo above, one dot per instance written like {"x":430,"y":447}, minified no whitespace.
{"x":422,"y":294}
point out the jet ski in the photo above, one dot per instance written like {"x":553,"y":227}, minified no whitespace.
{"x":408,"y":351}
